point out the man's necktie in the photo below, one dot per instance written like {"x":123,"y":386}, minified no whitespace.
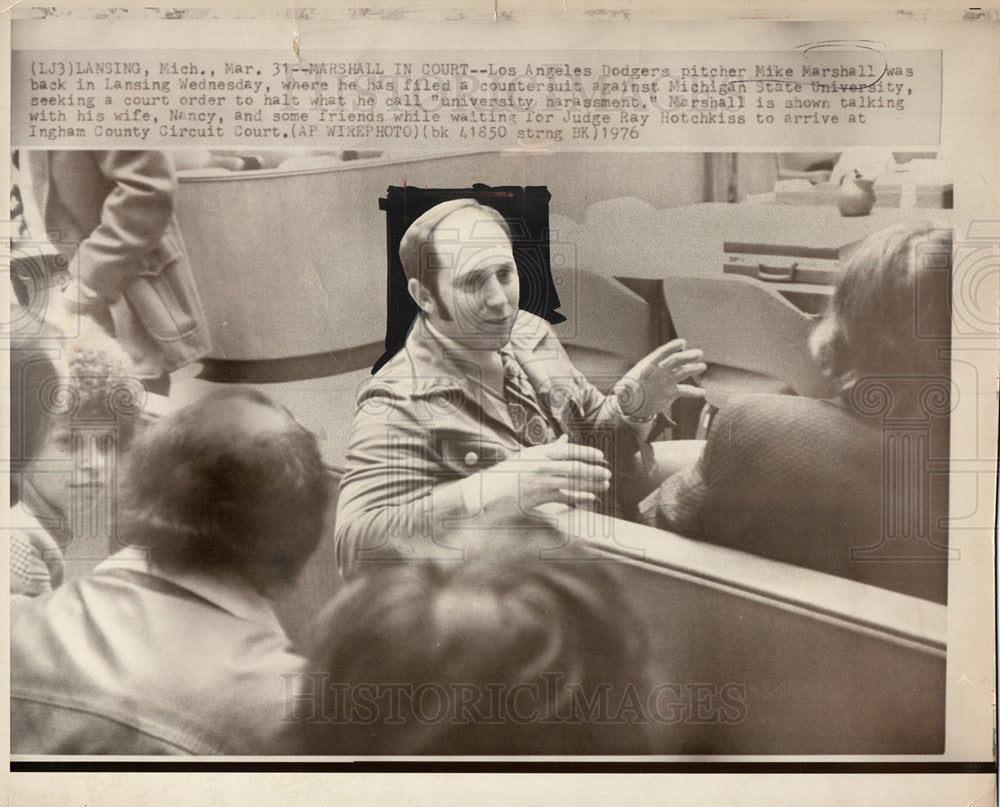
{"x":530,"y":422}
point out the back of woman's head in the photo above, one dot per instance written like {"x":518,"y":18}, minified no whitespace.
{"x":890,"y":315}
{"x":506,"y":653}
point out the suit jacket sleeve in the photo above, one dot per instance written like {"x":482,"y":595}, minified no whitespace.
{"x":392,"y":502}
{"x":134,"y":217}
{"x":679,"y":503}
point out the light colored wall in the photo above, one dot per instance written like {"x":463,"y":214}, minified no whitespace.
{"x":294,"y":263}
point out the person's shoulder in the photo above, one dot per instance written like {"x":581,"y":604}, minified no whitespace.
{"x":46,"y":631}
{"x":530,"y":331}
{"x":771,"y":405}
{"x":782,"y":419}
{"x":23,"y":521}
{"x":421,"y":369}
{"x":525,"y":319}
{"x":397,"y":369}
{"x":526,"y":323}
{"x":148,"y":164}
{"x":85,"y":599}
{"x":394,"y":381}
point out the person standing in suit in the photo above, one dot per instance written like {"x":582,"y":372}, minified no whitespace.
{"x":112,"y":214}
{"x":856,"y":486}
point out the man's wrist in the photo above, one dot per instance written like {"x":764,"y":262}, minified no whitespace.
{"x":76,"y":295}
{"x":631,"y":404}
{"x":646,"y":427}
{"x":630,"y":400}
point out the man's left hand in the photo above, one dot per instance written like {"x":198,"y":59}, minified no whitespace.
{"x":656,"y":382}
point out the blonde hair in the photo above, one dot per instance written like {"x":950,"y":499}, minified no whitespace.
{"x":890,"y":315}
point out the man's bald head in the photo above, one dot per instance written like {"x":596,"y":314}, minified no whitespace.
{"x":417,"y":250}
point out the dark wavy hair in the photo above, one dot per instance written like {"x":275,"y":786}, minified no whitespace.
{"x":231,"y":482}
{"x":890,"y":315}
{"x":490,"y":624}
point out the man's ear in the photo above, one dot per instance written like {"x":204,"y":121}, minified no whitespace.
{"x":421,"y":296}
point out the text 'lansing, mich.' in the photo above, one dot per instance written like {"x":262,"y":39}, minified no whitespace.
{"x":653,"y":100}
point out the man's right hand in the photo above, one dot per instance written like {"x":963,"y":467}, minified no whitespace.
{"x":77,"y":311}
{"x":559,"y":472}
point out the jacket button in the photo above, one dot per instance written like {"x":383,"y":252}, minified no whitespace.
{"x":471,"y":458}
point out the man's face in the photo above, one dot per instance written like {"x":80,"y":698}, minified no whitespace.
{"x":478,"y":287}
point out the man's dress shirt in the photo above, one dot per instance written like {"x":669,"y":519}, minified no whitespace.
{"x":428,"y":418}
{"x":138,"y":660}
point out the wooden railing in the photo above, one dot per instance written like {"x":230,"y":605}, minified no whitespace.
{"x":809,"y":663}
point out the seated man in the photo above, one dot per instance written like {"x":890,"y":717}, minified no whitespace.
{"x":171,"y":646}
{"x":479,"y":416}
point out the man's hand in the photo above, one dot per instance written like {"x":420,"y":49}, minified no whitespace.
{"x":655,"y":382}
{"x":558,"y":472}
{"x":77,"y":311}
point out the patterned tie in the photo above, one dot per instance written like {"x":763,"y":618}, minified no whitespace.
{"x":530,"y":422}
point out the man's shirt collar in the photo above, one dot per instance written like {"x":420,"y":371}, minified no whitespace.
{"x":439,"y":364}
{"x":226,"y":591}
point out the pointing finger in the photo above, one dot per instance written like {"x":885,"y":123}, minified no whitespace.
{"x":683,"y":357}
{"x":664,"y":351}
